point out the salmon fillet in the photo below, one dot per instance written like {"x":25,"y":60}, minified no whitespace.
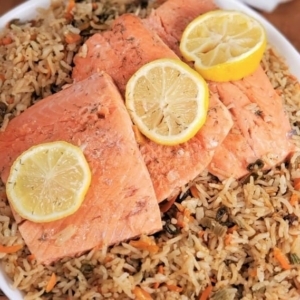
{"x":261,"y":129}
{"x":171,"y":168}
{"x":171,"y":18}
{"x":121,"y":52}
{"x":120,"y":203}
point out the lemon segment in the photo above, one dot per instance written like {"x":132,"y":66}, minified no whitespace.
{"x":48,"y":181}
{"x":167,"y":101}
{"x":224,"y":45}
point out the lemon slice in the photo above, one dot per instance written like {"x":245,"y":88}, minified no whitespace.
{"x":48,"y":181}
{"x":167,"y":101}
{"x":224,"y":45}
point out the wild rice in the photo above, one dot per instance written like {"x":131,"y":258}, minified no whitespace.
{"x":257,"y":215}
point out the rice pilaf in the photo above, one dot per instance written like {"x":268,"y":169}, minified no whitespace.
{"x":221,"y":234}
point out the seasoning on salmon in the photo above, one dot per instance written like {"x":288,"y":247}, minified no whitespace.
{"x":261,"y":127}
{"x":171,"y":18}
{"x":122,"y":51}
{"x":171,"y":168}
{"x":120,"y":203}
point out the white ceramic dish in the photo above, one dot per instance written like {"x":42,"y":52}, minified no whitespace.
{"x":27,"y":11}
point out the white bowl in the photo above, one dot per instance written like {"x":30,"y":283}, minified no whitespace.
{"x":27,"y":11}
{"x":268,"y":5}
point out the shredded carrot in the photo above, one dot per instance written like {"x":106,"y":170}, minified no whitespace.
{"x":179,"y":206}
{"x":2,"y":77}
{"x":167,"y":204}
{"x":10,"y":249}
{"x":253,"y":272}
{"x":297,"y":184}
{"x":51,"y":283}
{"x":187,"y":213}
{"x":228,"y":239}
{"x":201,"y":233}
{"x":174,"y":288}
{"x":232,"y":229}
{"x":282,"y":259}
{"x":31,"y":257}
{"x":206,"y":293}
{"x":108,"y":258}
{"x":141,"y":294}
{"x":6,"y":40}
{"x":69,"y":14}
{"x":156,"y":285}
{"x":145,"y":243}
{"x":180,"y":221}
{"x":72,"y":38}
{"x":94,"y":5}
{"x":294,"y":199}
{"x":194,"y":191}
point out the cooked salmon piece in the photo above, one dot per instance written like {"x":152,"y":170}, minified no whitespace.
{"x":121,"y":52}
{"x":171,"y":18}
{"x":171,"y":168}
{"x":261,"y":131}
{"x":120,"y":203}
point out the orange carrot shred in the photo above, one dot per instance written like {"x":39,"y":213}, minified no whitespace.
{"x":252,"y":272}
{"x":156,"y":285}
{"x":174,"y":288}
{"x":51,"y":283}
{"x":2,"y":77}
{"x":108,"y":258}
{"x":167,"y":204}
{"x":194,"y":191}
{"x":72,"y":38}
{"x":6,"y":40}
{"x":282,"y":259}
{"x":141,"y":294}
{"x":186,"y":212}
{"x":180,"y":221}
{"x":227,"y":240}
{"x":31,"y":257}
{"x":68,"y":14}
{"x":232,"y":229}
{"x":179,"y":206}
{"x":145,"y":243}
{"x":297,"y":184}
{"x":10,"y":249}
{"x":294,"y":199}
{"x":201,"y":233}
{"x":206,"y":293}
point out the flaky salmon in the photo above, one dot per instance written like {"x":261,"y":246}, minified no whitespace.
{"x":171,"y":18}
{"x":120,"y":51}
{"x":120,"y":203}
{"x":261,"y":128}
{"x":132,"y":45}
